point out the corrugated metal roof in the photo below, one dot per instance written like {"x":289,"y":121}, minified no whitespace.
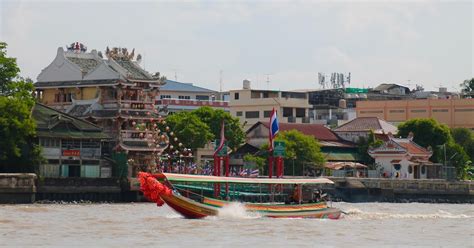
{"x":171,"y":85}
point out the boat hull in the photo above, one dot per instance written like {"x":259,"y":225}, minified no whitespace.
{"x":191,"y":209}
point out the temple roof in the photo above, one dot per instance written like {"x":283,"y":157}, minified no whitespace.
{"x":75,"y":83}
{"x":53,"y":123}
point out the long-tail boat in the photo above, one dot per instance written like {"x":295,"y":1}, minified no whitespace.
{"x":165,"y":188}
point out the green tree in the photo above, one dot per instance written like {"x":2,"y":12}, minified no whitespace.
{"x":213,"y":118}
{"x":430,"y":133}
{"x":465,"y":138}
{"x":363,"y":146}
{"x":427,"y":133}
{"x":18,"y":149}
{"x":259,"y":161}
{"x":8,"y":70}
{"x":468,"y":85}
{"x":189,"y":129}
{"x":301,"y":150}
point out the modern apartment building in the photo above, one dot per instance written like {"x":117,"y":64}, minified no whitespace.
{"x":252,"y":106}
{"x":177,"y":96}
{"x":453,"y":112}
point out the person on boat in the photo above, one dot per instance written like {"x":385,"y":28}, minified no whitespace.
{"x":296,"y":197}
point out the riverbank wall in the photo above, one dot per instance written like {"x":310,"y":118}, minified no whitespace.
{"x":17,"y":188}
{"x":400,"y":190}
{"x":28,"y":188}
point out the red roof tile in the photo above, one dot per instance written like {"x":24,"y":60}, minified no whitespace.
{"x":318,"y":131}
{"x":365,"y":124}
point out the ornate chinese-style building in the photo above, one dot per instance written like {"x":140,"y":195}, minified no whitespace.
{"x":402,"y":158}
{"x":112,"y":91}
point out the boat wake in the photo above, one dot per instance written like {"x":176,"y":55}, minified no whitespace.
{"x":357,"y":214}
{"x":236,"y":210}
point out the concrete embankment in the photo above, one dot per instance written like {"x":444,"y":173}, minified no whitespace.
{"x":390,"y":190}
{"x":27,"y":188}
{"x":17,"y":187}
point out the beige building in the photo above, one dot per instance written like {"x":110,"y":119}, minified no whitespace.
{"x":452,"y":112}
{"x":252,"y":106}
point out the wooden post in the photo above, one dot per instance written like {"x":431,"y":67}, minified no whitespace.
{"x":226,"y":162}
{"x":270,"y":165}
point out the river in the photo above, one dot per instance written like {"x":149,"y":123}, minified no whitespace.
{"x":145,"y":225}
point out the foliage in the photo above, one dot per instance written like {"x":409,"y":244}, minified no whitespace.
{"x":465,"y":138}
{"x":18,"y":151}
{"x":189,"y":129}
{"x":427,"y":133}
{"x":259,"y":161}
{"x":300,"y":149}
{"x":213,"y":118}
{"x":363,"y":146}
{"x":8,"y":70}
{"x":467,"y":86}
{"x":430,"y":133}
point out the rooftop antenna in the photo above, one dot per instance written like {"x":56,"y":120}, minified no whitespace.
{"x":175,"y":75}
{"x":268,"y":80}
{"x":220,"y":81}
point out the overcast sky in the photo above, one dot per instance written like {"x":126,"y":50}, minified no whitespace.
{"x":409,"y":43}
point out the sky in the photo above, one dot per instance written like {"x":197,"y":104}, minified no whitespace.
{"x":287,"y":42}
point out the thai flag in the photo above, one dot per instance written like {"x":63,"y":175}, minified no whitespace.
{"x":273,"y":128}
{"x":254,"y":173}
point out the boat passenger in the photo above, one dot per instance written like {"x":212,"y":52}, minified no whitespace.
{"x":296,"y":194}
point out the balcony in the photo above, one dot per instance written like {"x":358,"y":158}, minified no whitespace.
{"x":134,"y":135}
{"x":129,"y":104}
{"x":192,"y":103}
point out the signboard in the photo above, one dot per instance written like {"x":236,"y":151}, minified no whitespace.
{"x":72,"y":153}
{"x":223,"y":151}
{"x":279,"y":148}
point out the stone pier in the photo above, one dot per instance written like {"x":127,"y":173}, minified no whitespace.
{"x":17,"y":187}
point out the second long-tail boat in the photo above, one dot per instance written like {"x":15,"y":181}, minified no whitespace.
{"x":186,"y":194}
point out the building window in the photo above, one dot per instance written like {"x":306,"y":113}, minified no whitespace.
{"x":300,"y":112}
{"x":49,"y":142}
{"x":423,"y":169}
{"x":410,"y":169}
{"x":90,"y":144}
{"x":165,"y":97}
{"x":372,"y":112}
{"x":267,"y":114}
{"x":236,"y":96}
{"x":184,"y":97}
{"x":287,"y":112}
{"x":238,"y":113}
{"x":202,"y":98}
{"x":397,"y":166}
{"x":397,"y":111}
{"x":418,"y":111}
{"x":255,"y":94}
{"x":440,"y":110}
{"x":71,"y":144}
{"x":464,"y":110}
{"x":252,"y":114}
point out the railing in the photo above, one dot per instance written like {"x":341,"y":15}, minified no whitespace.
{"x":193,"y":102}
{"x":129,"y":104}
{"x":134,"y":135}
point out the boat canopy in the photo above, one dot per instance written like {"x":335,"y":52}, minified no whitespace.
{"x":215,"y":179}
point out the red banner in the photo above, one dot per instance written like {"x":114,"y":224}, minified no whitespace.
{"x":72,"y":153}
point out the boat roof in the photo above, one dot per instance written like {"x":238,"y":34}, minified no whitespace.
{"x":215,"y":179}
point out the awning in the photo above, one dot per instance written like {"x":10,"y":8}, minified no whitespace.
{"x":395,"y":161}
{"x":341,"y":165}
